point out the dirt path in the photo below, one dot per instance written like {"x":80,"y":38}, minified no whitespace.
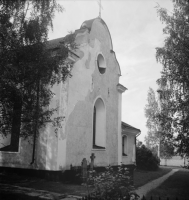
{"x":153,"y":184}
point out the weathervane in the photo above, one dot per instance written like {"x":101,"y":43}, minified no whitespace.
{"x":100,"y":7}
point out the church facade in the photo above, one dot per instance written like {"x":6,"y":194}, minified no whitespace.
{"x":90,"y":102}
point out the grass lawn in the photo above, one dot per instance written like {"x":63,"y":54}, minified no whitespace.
{"x":142,"y":177}
{"x":176,"y":185}
{"x":57,"y":187}
{"x":41,"y":184}
{"x":11,"y":196}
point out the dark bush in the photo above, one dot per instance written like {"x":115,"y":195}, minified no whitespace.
{"x":145,"y":159}
{"x":111,"y":184}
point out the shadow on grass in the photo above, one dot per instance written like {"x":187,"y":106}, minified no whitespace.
{"x":13,"y":179}
{"x":142,"y":177}
{"x":176,"y":185}
{"x":16,"y":196}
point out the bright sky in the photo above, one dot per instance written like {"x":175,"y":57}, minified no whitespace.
{"x":136,"y":31}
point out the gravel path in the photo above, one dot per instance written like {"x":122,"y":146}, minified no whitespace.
{"x":153,"y":184}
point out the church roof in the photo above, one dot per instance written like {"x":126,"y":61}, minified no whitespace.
{"x":51,"y":44}
{"x":125,"y":125}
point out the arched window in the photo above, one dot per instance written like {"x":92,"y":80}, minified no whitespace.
{"x":124,"y":145}
{"x":101,"y":64}
{"x":99,"y":125}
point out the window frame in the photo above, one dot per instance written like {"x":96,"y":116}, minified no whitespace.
{"x":124,"y":145}
{"x":94,"y":145}
{"x":101,"y":63}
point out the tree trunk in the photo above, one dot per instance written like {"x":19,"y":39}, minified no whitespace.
{"x":36,"y":124}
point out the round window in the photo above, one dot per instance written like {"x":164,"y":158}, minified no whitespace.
{"x":101,"y":64}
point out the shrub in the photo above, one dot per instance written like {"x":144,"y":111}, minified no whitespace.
{"x":145,"y":159}
{"x":110,"y":184}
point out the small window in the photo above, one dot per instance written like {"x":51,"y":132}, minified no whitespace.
{"x":101,"y":64}
{"x":99,"y":125}
{"x":124,"y":145}
{"x":10,"y":142}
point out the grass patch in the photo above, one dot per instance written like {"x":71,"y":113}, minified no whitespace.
{"x":40,"y":184}
{"x":56,"y":187}
{"x":176,"y":185}
{"x":142,"y":177}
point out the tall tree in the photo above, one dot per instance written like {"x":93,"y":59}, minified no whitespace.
{"x":154,"y":139}
{"x":28,"y":69}
{"x":175,"y":74}
{"x":167,"y":150}
{"x":151,"y":113}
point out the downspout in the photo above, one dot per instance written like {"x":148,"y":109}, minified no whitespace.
{"x":135,"y":144}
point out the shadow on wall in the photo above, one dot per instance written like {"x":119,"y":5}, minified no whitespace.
{"x":45,"y":155}
{"x":18,"y":159}
{"x":45,"y":158}
{"x":47,"y":149}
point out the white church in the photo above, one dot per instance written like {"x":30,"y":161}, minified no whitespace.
{"x":91,"y":102}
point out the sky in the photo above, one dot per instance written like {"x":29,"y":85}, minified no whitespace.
{"x":136,"y":31}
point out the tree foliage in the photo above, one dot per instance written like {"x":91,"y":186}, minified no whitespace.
{"x":145,"y":159}
{"x":155,"y":135}
{"x":166,"y":150}
{"x":28,"y":67}
{"x":174,"y":81}
{"x":151,"y":113}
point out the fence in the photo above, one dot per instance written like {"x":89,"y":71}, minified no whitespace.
{"x":163,"y":198}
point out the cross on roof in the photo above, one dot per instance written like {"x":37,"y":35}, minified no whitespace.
{"x":100,"y":7}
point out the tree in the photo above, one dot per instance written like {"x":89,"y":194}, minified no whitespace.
{"x":155,"y":140}
{"x":151,"y":113}
{"x":167,"y":150}
{"x":175,"y":75}
{"x":145,"y":159}
{"x":28,"y":68}
{"x":138,"y":143}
